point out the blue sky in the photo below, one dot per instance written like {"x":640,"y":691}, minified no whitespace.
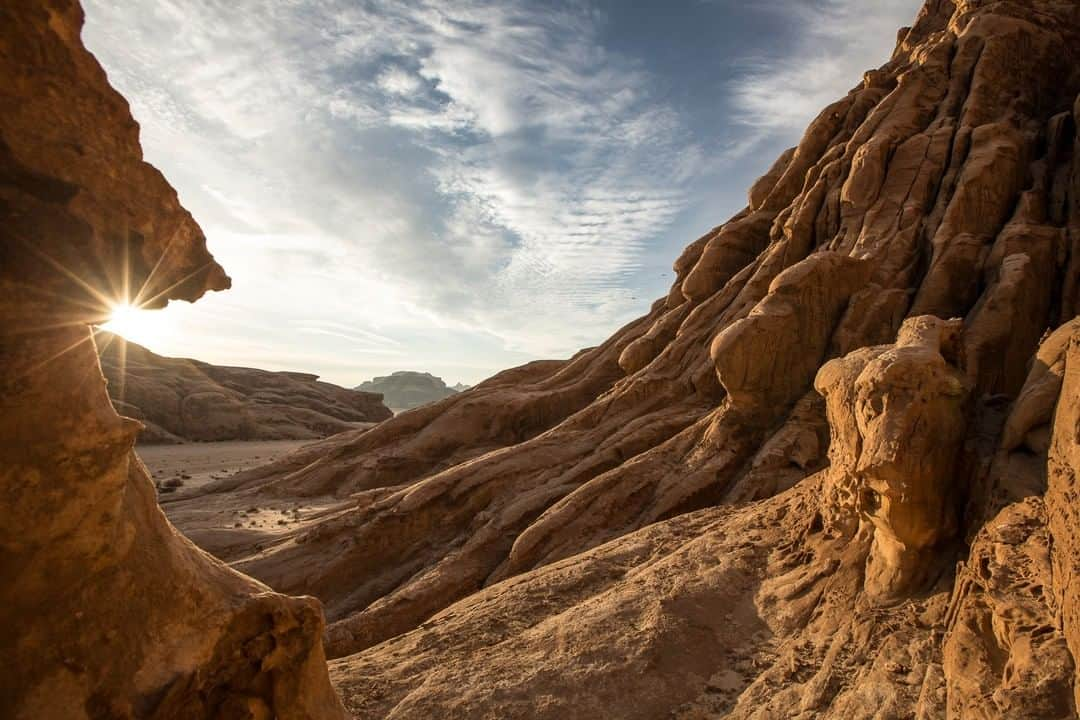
{"x":461,"y":187}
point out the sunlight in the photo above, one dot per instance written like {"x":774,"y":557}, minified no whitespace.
{"x":136,"y":324}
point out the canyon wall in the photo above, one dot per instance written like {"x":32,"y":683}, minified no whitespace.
{"x":105,"y":610}
{"x":830,"y":474}
{"x":177,"y":399}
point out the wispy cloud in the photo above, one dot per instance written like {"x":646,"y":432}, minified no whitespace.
{"x":837,"y":40}
{"x":477,"y":162}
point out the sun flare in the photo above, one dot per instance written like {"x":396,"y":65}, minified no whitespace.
{"x":134,"y":323}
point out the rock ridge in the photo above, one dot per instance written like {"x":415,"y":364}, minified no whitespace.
{"x":178,"y":399}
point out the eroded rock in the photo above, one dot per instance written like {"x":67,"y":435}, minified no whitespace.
{"x":179,"y":399}
{"x":899,"y":419}
{"x":105,"y":610}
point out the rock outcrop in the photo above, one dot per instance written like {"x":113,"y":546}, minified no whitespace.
{"x":105,"y":610}
{"x":178,"y":399}
{"x":831,"y":474}
{"x":897,"y":415}
{"x":405,"y":389}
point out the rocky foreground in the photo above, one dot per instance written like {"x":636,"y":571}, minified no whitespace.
{"x":177,"y":399}
{"x":833,"y":474}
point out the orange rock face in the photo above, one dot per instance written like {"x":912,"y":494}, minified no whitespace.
{"x":831,"y":474}
{"x":179,"y":399}
{"x":105,"y":610}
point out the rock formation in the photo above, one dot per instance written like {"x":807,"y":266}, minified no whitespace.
{"x":178,"y":399}
{"x":405,"y":389}
{"x":832,"y":474}
{"x":105,"y":610}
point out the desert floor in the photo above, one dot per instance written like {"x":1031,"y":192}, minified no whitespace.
{"x":192,"y":465}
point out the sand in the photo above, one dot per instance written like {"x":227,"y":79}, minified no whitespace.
{"x":181,"y":470}
{"x":188,"y":466}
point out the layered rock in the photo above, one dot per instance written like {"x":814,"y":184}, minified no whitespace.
{"x":105,"y":610}
{"x":828,"y":475}
{"x":178,"y":399}
{"x":405,"y":389}
{"x":898,"y":417}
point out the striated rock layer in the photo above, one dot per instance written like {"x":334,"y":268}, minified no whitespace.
{"x":831,"y":474}
{"x":178,"y":399}
{"x":105,"y":610}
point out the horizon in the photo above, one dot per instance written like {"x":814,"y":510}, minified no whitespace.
{"x":460,"y":191}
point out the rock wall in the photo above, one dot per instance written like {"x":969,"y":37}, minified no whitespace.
{"x":829,"y":475}
{"x":179,"y":399}
{"x":105,"y":610}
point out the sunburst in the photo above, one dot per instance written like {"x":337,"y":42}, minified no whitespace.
{"x":109,"y":304}
{"x":137,"y":324}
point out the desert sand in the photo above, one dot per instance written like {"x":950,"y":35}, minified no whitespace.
{"x":182,"y":471}
{"x":196,"y":464}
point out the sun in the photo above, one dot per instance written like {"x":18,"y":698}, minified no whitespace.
{"x":134,"y":323}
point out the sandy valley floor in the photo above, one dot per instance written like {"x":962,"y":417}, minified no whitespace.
{"x":178,"y":470}
{"x":191,"y":465}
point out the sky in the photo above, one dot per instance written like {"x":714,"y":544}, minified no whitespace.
{"x":461,"y":187}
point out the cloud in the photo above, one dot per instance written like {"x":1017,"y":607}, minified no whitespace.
{"x":838,"y":40}
{"x":465,"y":165}
{"x":395,"y":80}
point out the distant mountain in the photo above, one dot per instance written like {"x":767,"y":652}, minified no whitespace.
{"x":179,"y":399}
{"x":406,"y":389}
{"x":460,"y":387}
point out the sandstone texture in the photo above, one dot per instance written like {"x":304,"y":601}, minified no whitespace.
{"x":405,"y":389}
{"x":833,"y":474}
{"x":178,"y":399}
{"x":105,"y":610}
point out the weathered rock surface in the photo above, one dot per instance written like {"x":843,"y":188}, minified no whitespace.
{"x":179,"y":399}
{"x":406,"y":389}
{"x":105,"y":610}
{"x":831,"y":474}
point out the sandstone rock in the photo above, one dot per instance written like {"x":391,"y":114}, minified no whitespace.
{"x":677,"y":524}
{"x":898,"y":427}
{"x":180,"y":399}
{"x":1063,"y":504}
{"x":105,"y":610}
